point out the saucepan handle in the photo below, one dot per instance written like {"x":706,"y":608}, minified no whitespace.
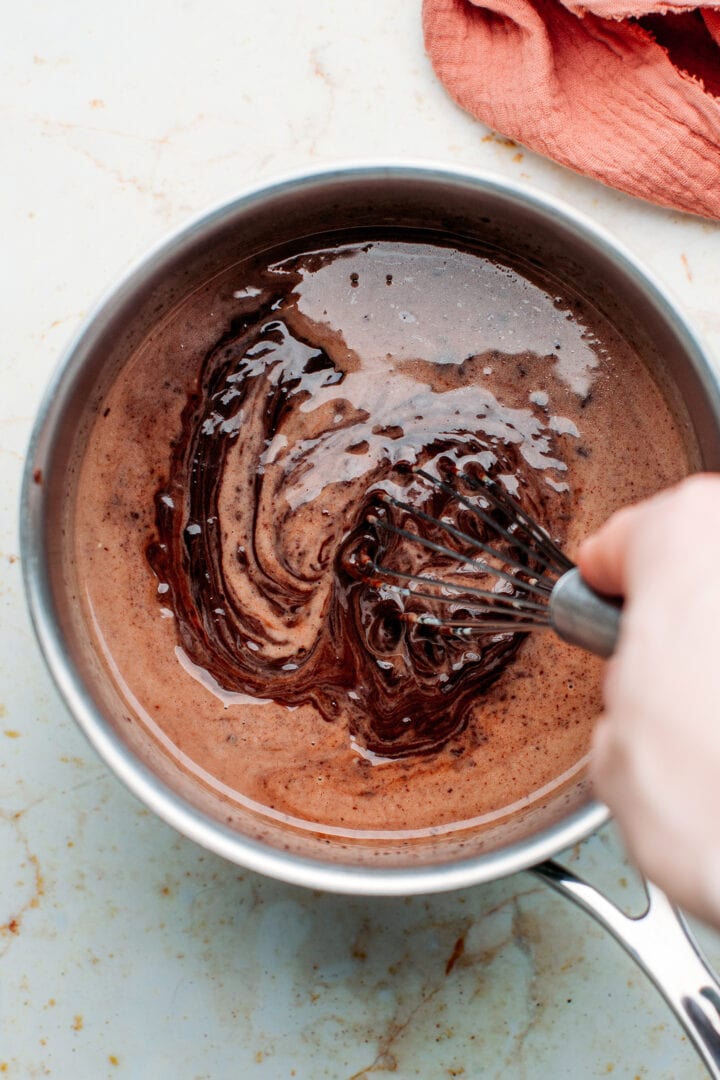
{"x":661,"y":943}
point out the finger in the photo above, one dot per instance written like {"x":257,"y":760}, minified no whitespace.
{"x":602,"y":558}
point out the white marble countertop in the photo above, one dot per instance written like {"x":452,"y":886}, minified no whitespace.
{"x":126,"y":950}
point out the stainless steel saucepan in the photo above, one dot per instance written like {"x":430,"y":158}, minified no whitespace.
{"x":388,"y":195}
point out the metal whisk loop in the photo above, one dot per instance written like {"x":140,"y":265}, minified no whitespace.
{"x":546,"y":590}
{"x":544,"y":550}
{"x":536,"y":586}
{"x":499,"y":600}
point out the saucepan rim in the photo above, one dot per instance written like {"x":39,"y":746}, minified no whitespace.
{"x":155,"y":793}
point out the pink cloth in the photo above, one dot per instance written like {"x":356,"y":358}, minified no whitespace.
{"x":627,"y":91}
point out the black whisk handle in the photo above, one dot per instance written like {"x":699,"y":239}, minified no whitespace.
{"x":582,"y":617}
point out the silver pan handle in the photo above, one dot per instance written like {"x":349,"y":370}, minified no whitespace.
{"x":661,"y":943}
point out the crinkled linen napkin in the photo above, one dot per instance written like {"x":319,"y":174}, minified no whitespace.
{"x":626,"y":91}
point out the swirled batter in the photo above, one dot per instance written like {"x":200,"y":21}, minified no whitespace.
{"x":226,"y":511}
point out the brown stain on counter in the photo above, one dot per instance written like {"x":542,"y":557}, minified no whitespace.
{"x":474,"y":960}
{"x":501,"y":140}
{"x":13,"y":926}
{"x":318,"y":70}
{"x":458,"y":950}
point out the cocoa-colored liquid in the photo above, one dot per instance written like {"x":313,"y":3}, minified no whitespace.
{"x":231,"y":483}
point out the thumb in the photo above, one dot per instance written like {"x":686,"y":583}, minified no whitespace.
{"x":602,"y":558}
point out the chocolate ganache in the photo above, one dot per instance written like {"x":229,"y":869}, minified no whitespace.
{"x":284,"y":449}
{"x":226,"y":529}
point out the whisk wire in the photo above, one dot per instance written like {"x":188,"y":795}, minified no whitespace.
{"x":464,"y":538}
{"x":547,"y":590}
{"x":500,"y":601}
{"x":544,"y":550}
{"x":539,"y":588}
{"x":459,"y":535}
{"x":506,"y":503}
{"x":514,"y":626}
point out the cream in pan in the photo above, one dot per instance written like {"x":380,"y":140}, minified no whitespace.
{"x":225,"y":494}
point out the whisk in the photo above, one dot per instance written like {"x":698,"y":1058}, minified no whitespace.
{"x":537,"y":586}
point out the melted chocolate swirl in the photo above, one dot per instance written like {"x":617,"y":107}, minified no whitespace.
{"x":265,"y":523}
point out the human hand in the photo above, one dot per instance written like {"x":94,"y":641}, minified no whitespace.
{"x":656,"y":754}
